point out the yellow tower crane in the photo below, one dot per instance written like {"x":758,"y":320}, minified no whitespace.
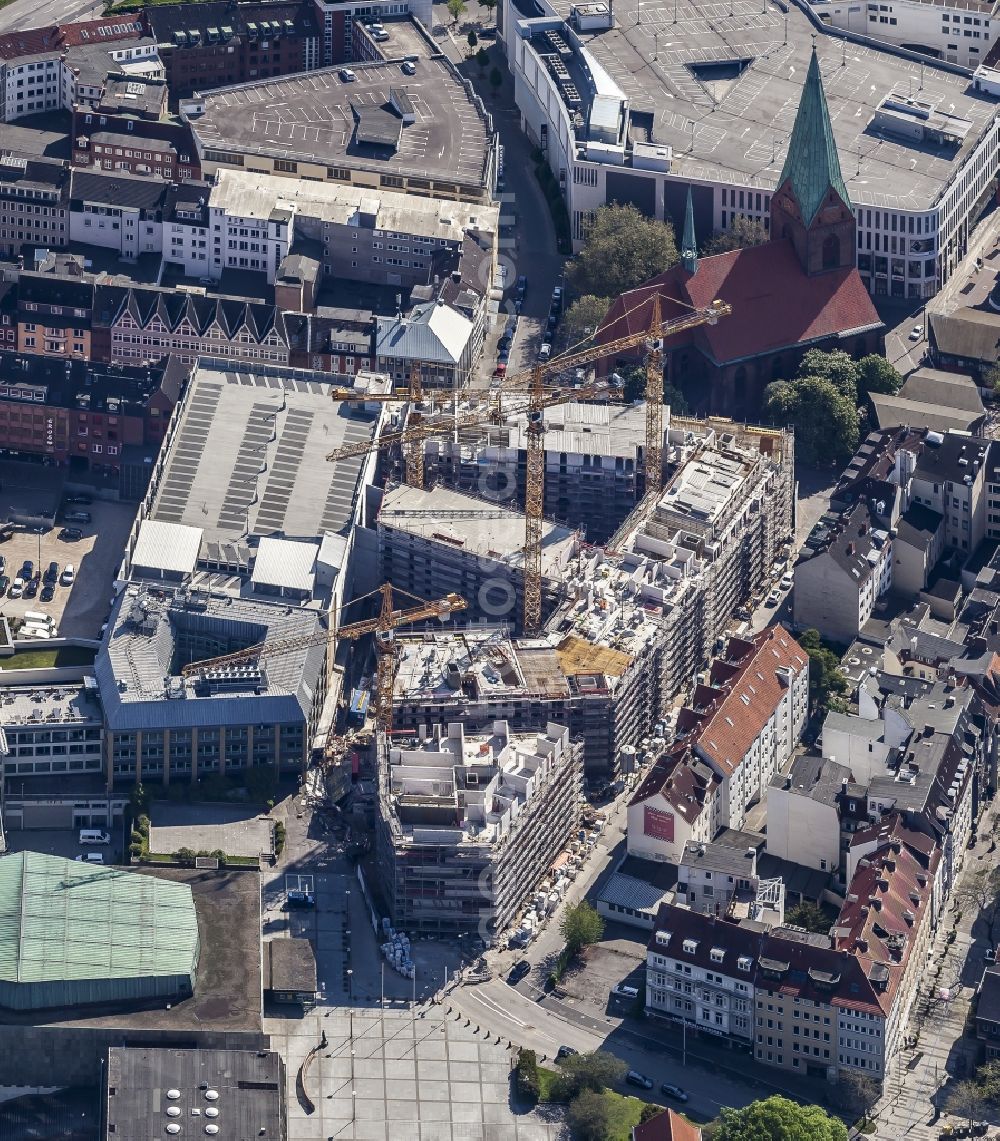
{"x":533,"y":402}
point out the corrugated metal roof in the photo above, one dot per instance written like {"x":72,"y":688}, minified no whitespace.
{"x":283,"y":562}
{"x":60,"y":921}
{"x":435,"y":333}
{"x":167,"y":546}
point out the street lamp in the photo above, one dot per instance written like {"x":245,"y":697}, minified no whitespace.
{"x":350,"y":985}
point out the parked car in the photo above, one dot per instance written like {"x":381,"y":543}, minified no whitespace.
{"x":522,"y":287}
{"x":48,"y":593}
{"x":91,"y":858}
{"x":501,"y":369}
{"x":521,"y":969}
{"x":916,"y":333}
{"x":28,"y":569}
{"x":68,"y":576}
{"x":77,"y":516}
{"x":17,"y":588}
{"x":31,"y":588}
{"x":71,"y":534}
{"x":346,"y":75}
{"x":4,"y":583}
{"x":545,"y":351}
{"x":83,"y":500}
{"x":566,"y":1052}
{"x":408,"y":68}
{"x":773,"y":598}
{"x":52,"y":574}
{"x":673,"y":1091}
{"x":787,"y":581}
{"x":634,"y":1078}
{"x":3,"y":564}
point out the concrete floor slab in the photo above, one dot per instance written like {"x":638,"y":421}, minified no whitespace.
{"x":433,"y":1111}
{"x":467,"y":1113}
{"x":433,"y":1091}
{"x":400,"y":1069}
{"x":465,"y":1072}
{"x":432,"y":1071}
{"x":466,"y":1092}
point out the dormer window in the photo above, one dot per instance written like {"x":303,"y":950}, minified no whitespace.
{"x":717,"y":954}
{"x":690,"y":946}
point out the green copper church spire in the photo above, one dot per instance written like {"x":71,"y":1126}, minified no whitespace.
{"x":689,"y":244}
{"x":812,"y":163}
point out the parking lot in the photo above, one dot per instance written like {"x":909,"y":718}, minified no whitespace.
{"x":79,"y":610}
{"x":64,"y":842}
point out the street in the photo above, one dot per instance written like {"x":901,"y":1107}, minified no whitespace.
{"x":21,"y":14}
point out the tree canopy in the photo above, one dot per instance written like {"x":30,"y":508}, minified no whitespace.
{"x":742,"y":233}
{"x":826,"y":682}
{"x":634,"y":378}
{"x":824,"y":416}
{"x":778,"y":1119}
{"x":581,"y":925}
{"x":588,"y":1117}
{"x":456,"y":9}
{"x":623,"y":248}
{"x":596,"y":1072}
{"x":875,"y":374}
{"x":810,"y":916}
{"x":584,"y":315}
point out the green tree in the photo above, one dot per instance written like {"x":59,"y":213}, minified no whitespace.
{"x":634,"y":378}
{"x":991,"y":377}
{"x":649,"y":1111}
{"x":472,"y":39}
{"x":623,"y":248}
{"x":496,"y":77}
{"x":742,"y":233}
{"x":589,"y":1117}
{"x":778,"y":1119}
{"x":456,"y":9}
{"x":967,"y":1100}
{"x":824,"y":417}
{"x":875,"y":374}
{"x":185,"y":857}
{"x":527,"y":1075}
{"x":595,"y":1072}
{"x":483,"y":59}
{"x":988,"y":1080}
{"x":836,"y":367}
{"x":584,"y":316}
{"x":489,"y":5}
{"x":581,"y":925}
{"x":826,"y":682}
{"x":810,"y":916}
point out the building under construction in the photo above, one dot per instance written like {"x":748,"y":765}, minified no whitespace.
{"x":469,"y":826}
{"x":594,"y":455}
{"x":431,"y":543}
{"x":635,"y":621}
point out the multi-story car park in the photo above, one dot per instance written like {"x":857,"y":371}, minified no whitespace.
{"x":469,"y":826}
{"x":638,"y":111}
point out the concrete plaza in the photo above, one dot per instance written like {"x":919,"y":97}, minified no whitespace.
{"x":397,"y":1072}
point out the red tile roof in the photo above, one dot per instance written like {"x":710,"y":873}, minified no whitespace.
{"x":751,"y":694}
{"x":775,"y":305}
{"x":667,"y":1126}
{"x":37,"y":41}
{"x":683,"y":780}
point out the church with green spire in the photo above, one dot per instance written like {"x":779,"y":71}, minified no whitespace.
{"x":811,"y":207}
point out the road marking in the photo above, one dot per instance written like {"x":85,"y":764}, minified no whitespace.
{"x":487,"y":1001}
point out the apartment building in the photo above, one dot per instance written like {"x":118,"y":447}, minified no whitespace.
{"x":722,"y":879}
{"x":216,"y":44}
{"x":700,"y":972}
{"x":380,"y":235}
{"x":79,"y":412}
{"x":747,"y":716}
{"x":54,"y":310}
{"x":807,"y":808}
{"x":34,"y":204}
{"x":844,"y":568}
{"x":678,"y":803}
{"x":468,"y":826}
{"x":140,"y":323}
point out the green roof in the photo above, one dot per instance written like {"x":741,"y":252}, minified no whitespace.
{"x":71,"y":931}
{"x":812,"y":162}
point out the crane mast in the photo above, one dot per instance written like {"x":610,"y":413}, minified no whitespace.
{"x":533,"y":402}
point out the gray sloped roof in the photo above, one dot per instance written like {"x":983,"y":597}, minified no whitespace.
{"x":969,"y":333}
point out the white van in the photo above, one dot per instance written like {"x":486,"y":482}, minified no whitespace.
{"x":37,"y":618}
{"x":94,"y":836}
{"x":31,"y":630}
{"x":91,"y":858}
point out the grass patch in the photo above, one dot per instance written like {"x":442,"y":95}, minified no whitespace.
{"x":546,"y":1080}
{"x":625,"y":1113}
{"x":46,"y":659}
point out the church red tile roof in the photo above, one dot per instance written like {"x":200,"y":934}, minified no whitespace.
{"x":667,"y":1126}
{"x":775,"y":304}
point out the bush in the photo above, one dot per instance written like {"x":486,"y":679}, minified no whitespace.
{"x":219,"y":855}
{"x":135,"y":850}
{"x":589,"y":1117}
{"x":527,"y":1076}
{"x":279,"y":838}
{"x":185,"y":857}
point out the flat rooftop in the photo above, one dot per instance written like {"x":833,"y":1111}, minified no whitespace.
{"x":720,"y":84}
{"x":147,"y":1087}
{"x":43,"y":706}
{"x":248,"y":458}
{"x":313,"y":117}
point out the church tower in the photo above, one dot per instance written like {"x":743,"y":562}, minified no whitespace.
{"x":811,"y":206}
